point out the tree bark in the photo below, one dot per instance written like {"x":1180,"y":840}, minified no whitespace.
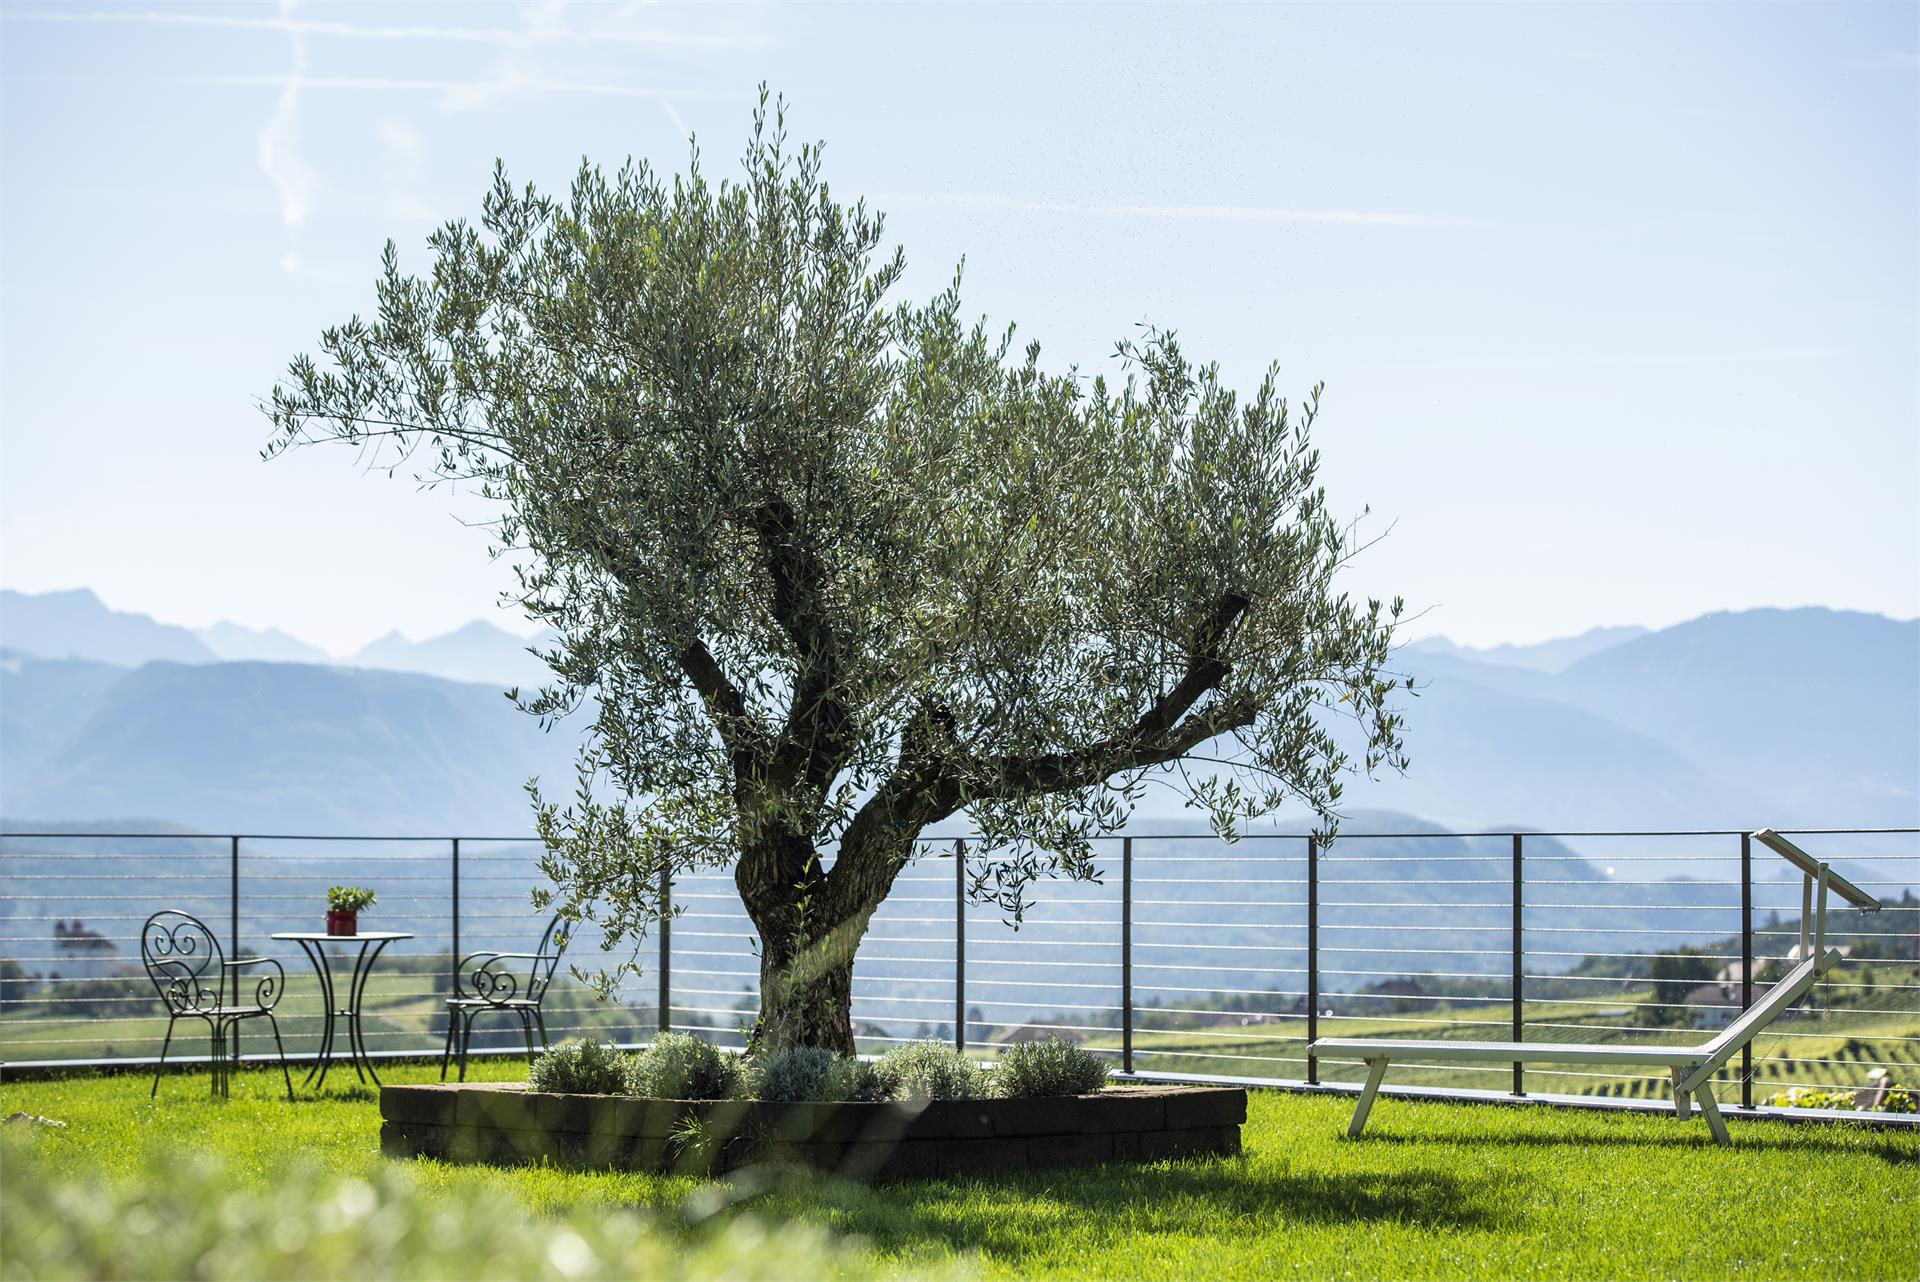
{"x":806,"y":999}
{"x":810,"y":928}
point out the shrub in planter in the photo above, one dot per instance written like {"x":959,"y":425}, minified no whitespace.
{"x":796,"y":1073}
{"x":1051,"y":1067}
{"x":1810,"y":1097}
{"x":681,"y":1066}
{"x":930,"y":1070}
{"x":580,"y":1067}
{"x":1898,"y":1099}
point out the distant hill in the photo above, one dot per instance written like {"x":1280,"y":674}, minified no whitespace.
{"x":1545,"y":656}
{"x":1807,"y":718}
{"x":75,"y":625}
{"x":232,"y":642}
{"x":478,"y":652}
{"x":270,"y":747}
{"x":1483,"y":755}
{"x":1816,"y":710}
{"x":42,"y":703}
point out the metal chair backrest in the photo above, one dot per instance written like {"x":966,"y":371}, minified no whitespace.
{"x":181,"y":955}
{"x":553,"y":944}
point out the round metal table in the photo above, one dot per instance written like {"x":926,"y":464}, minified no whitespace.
{"x":314,"y":944}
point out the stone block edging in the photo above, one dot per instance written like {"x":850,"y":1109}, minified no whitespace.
{"x":505,"y":1122}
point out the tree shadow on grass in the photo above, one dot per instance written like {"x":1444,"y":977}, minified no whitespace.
{"x":1015,"y":1215}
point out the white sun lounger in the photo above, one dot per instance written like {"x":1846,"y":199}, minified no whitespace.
{"x":1691,"y":1067}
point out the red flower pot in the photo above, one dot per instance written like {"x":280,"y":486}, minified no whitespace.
{"x":343,"y":921}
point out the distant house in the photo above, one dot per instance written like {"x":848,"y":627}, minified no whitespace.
{"x":1402,"y":995}
{"x":1712,"y":1005}
{"x":80,"y":953}
{"x":1733,"y":972}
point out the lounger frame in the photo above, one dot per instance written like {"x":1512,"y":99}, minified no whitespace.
{"x":1691,"y":1068}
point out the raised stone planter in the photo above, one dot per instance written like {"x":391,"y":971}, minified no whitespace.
{"x":504,"y":1122}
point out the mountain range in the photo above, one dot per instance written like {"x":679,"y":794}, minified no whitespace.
{"x":1544,"y":656}
{"x":1790,"y":718}
{"x":77,"y":625}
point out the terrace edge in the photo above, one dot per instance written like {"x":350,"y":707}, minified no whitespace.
{"x":502,"y":1122}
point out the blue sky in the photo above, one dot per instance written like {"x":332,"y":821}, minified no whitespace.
{"x":1618,"y":308}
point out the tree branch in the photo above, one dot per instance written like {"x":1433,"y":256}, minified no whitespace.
{"x":815,"y":742}
{"x":1084,"y":767}
{"x":726,"y":705}
{"x":1206,"y":668}
{"x":933,"y":778}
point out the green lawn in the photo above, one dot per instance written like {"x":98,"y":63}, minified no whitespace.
{"x":1435,"y":1190}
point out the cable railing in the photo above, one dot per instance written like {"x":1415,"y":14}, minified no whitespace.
{"x":1188,"y":958}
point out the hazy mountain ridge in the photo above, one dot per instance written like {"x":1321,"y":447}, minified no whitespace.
{"x":1818,"y":710}
{"x":477,"y":652}
{"x":1544,"y":656}
{"x":272,"y":747}
{"x":236,"y":644}
{"x":76,"y":625}
{"x":1805,"y":718}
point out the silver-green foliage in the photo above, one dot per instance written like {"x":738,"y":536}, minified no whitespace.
{"x":580,"y":1066}
{"x":681,"y":1066}
{"x":1048,"y":1067}
{"x":826,"y":566}
{"x":929,"y":1070}
{"x":793,"y":1073}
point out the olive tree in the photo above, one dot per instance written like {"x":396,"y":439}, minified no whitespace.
{"x":827,"y":567}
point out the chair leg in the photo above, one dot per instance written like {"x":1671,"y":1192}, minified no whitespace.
{"x":281,"y":1046}
{"x":1680,"y":1108}
{"x":163,"y":1057}
{"x":216,"y":1060}
{"x":526,"y":1027}
{"x":1376,"y":1069}
{"x":1710,"y":1109}
{"x":466,"y":1040}
{"x":446,"y":1054}
{"x":546,"y":1043}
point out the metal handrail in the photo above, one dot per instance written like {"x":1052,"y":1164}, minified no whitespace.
{"x":1290,"y":861}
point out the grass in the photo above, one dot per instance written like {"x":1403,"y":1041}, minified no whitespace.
{"x":1434,"y":1191}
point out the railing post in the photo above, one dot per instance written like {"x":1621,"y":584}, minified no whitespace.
{"x":1313,"y":957}
{"x":1519,"y":968}
{"x":1126,"y":954}
{"x":233,"y":921}
{"x":1746,"y":962}
{"x":453,"y":959}
{"x":666,"y":949}
{"x":960,"y":945}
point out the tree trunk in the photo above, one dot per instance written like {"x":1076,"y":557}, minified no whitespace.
{"x":810,"y":928}
{"x":805,"y":1000}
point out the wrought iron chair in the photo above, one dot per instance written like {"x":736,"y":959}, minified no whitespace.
{"x":491,"y":986}
{"x":184,"y":961}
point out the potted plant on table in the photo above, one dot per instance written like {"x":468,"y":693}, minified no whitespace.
{"x":343,"y":909}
